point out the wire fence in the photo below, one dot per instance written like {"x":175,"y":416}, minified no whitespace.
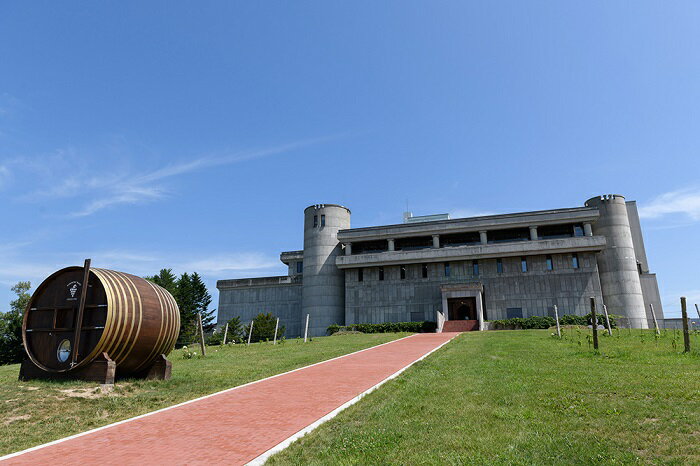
{"x":670,"y":324}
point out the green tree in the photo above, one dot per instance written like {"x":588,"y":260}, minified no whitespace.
{"x":11,"y":348}
{"x":166,"y":279}
{"x":263,"y":328}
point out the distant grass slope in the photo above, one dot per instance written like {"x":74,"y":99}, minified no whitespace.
{"x":522,"y":397}
{"x":37,"y":412}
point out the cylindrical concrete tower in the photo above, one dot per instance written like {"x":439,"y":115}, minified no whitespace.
{"x":617,"y":263}
{"x":323,"y":289}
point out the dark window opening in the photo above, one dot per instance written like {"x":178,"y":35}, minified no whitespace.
{"x":574,"y":261}
{"x":510,"y":235}
{"x":424,"y":270}
{"x":447,"y":269}
{"x":315,"y":221}
{"x":499,"y":265}
{"x":403,"y":272}
{"x":514,"y":312}
{"x":323,"y":220}
{"x":360,"y":274}
{"x":566,"y":230}
{"x":639,"y":267}
{"x":523,"y":264}
{"x":550,"y":263}
{"x":381,"y":273}
{"x":475,"y":267}
{"x":369,"y":247}
{"x":300,"y":267}
{"x":459,"y":239}
{"x":409,"y":244}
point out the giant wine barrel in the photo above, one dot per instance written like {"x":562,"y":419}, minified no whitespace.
{"x":131,"y":319}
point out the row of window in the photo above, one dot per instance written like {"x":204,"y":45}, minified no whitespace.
{"x":475,"y":267}
{"x":323,"y":221}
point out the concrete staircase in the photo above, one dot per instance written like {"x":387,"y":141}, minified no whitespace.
{"x":460,"y":325}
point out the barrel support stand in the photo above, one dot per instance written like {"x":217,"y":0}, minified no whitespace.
{"x":102,"y":369}
{"x":160,"y":369}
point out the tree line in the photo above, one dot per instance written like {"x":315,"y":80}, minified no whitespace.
{"x":188,"y":289}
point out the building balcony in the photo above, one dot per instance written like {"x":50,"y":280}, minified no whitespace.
{"x":471,"y":252}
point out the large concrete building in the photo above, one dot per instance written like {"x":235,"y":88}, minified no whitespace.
{"x":469,"y":269}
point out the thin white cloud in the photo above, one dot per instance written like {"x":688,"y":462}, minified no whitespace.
{"x":685,"y":202}
{"x":130,"y":188}
{"x":4,"y":175}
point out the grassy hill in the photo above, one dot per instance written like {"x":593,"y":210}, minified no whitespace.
{"x":523,"y":397}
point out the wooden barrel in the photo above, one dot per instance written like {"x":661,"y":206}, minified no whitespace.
{"x":129,"y":318}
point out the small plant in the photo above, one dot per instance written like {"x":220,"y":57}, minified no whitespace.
{"x":187,"y":354}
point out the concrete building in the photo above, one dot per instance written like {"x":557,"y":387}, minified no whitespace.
{"x":466,"y":271}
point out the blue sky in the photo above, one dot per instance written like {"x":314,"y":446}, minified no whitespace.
{"x":192,"y":135}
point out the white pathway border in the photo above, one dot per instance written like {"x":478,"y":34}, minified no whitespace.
{"x":328,"y":416}
{"x":285,"y":443}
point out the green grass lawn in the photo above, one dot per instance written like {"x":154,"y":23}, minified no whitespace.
{"x":35,"y":412}
{"x":523,"y":397}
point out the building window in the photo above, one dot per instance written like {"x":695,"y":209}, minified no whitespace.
{"x":323,"y":221}
{"x":300,"y":267}
{"x":523,"y":264}
{"x":499,"y":265}
{"x":578,"y":230}
{"x":639,"y":267}
{"x":403,"y":272}
{"x":425,"y":270}
{"x":417,"y":317}
{"x":360,"y":274}
{"x":514,"y":313}
{"x":550,"y":264}
{"x":447,"y":269}
{"x":381,"y":273}
{"x":574,"y":260}
{"x":475,"y":267}
{"x":315,"y":221}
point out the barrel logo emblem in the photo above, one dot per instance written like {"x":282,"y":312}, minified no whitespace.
{"x":73,"y":290}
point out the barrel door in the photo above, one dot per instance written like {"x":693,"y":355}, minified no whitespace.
{"x":125,"y":316}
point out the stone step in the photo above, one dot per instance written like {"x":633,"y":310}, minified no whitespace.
{"x":460,"y":325}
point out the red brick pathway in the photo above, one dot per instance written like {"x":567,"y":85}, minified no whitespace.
{"x":238,"y":425}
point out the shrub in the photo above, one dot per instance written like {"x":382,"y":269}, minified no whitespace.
{"x":524,"y":322}
{"x":386,"y":327}
{"x":545,"y":322}
{"x":235,"y":333}
{"x":263,"y":328}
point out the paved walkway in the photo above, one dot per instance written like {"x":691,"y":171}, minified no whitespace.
{"x":238,"y":425}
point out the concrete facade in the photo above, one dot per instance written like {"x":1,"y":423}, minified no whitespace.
{"x":513,"y":265}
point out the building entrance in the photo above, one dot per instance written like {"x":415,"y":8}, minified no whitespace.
{"x":461,"y":308}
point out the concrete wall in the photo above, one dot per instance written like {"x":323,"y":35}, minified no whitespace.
{"x":417,"y":298}
{"x":282,"y":300}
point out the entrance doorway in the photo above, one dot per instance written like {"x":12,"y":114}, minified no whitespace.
{"x":461,"y":308}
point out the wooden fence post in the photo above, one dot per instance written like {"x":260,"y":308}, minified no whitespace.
{"x":201,"y":334}
{"x":556,"y":317}
{"x":274,"y":341}
{"x":607,"y":320}
{"x":225,"y":333}
{"x":697,"y":309}
{"x":594,"y":324}
{"x":653,"y":316}
{"x":250,"y":332}
{"x":686,"y":335}
{"x":306,"y":329}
